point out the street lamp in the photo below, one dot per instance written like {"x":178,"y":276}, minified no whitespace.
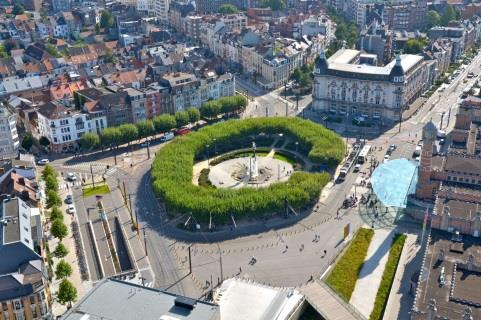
{"x":297,"y":143}
{"x":215,"y":147}
{"x":208,"y":146}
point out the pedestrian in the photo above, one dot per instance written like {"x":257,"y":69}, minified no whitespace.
{"x":240,"y":269}
{"x":287,"y":247}
{"x":325,"y":252}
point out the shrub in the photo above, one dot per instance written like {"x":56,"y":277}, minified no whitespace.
{"x":172,"y":169}
{"x":344,"y":275}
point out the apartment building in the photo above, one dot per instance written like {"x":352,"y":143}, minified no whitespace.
{"x":9,"y":140}
{"x":24,"y":292}
{"x":63,"y":126}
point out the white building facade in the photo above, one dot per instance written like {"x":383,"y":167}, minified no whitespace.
{"x":9,"y":140}
{"x":346,"y":88}
{"x":63,"y":127}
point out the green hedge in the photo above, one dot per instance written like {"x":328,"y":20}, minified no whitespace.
{"x":344,"y":275}
{"x":172,"y":169}
{"x":388,"y":277}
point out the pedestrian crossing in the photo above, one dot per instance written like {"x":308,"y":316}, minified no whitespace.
{"x":86,"y":169}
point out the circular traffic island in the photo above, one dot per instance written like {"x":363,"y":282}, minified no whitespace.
{"x":250,"y":185}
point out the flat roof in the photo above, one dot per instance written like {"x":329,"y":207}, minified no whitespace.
{"x":459,"y":292}
{"x":458,"y":209}
{"x":344,"y":56}
{"x":240,"y":300}
{"x":120,"y":300}
{"x":11,"y":230}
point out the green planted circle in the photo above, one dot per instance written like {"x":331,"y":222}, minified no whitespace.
{"x":172,"y":168}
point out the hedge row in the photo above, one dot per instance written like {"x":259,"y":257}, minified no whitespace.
{"x":172,"y":169}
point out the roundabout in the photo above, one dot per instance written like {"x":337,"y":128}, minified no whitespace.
{"x":251,"y":171}
{"x":233,"y":194}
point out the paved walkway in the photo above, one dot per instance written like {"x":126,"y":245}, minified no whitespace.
{"x":325,"y":303}
{"x":371,"y":273}
{"x":400,"y":300}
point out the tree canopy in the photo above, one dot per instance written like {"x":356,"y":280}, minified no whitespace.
{"x":414,"y":46}
{"x":146,"y":128}
{"x":89,"y":141}
{"x":450,"y":13}
{"x":228,"y":9}
{"x":275,"y":5}
{"x":17,"y":9}
{"x":66,"y":292}
{"x":106,"y":19}
{"x":27,"y":141}
{"x":60,"y":251}
{"x":58,"y":229}
{"x":110,"y":137}
{"x":63,"y":270}
{"x":128,"y":132}
{"x":194,"y":114}
{"x":182,"y":118}
{"x":53,"y":199}
{"x":164,"y":123}
{"x":44,"y":141}
{"x":433,"y":19}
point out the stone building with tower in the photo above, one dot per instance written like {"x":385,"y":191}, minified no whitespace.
{"x":450,"y":183}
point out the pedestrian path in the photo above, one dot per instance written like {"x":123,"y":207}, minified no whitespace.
{"x":367,"y":284}
{"x":326,"y":303}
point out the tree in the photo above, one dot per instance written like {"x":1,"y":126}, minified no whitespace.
{"x":275,"y":5}
{"x":66,"y":292}
{"x":414,"y":46}
{"x":56,"y":214}
{"x":52,"y":50}
{"x":60,"y":251}
{"x":53,"y":199}
{"x":110,"y":137}
{"x":210,"y":109}
{"x":89,"y":141}
{"x":128,"y":132}
{"x":51,"y":183}
{"x":449,"y":15}
{"x":164,"y":123}
{"x":433,"y":19}
{"x":146,"y":128}
{"x":27,"y":141}
{"x":109,"y":56}
{"x":228,"y":9}
{"x":182,"y":118}
{"x":9,"y":45}
{"x":48,"y":171}
{"x":59,"y":229}
{"x":63,"y":270}
{"x":17,"y":9}
{"x":106,"y":19}
{"x":194,"y":114}
{"x":44,"y":142}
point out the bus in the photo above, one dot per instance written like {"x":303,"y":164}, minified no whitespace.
{"x":363,"y":154}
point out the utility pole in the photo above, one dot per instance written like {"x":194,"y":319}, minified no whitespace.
{"x":285,"y":97}
{"x":267,"y":112}
{"x":190,"y":261}
{"x":148,"y":149}
{"x":297,"y":102}
{"x":400,"y":118}
{"x":92,"y":174}
{"x":145,"y":242}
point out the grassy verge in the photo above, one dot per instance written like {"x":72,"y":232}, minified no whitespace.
{"x":388,"y":277}
{"x":92,"y":191}
{"x":344,"y":275}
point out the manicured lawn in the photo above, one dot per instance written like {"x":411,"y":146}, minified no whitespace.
{"x":344,"y":275}
{"x":92,"y":191}
{"x":388,"y":277}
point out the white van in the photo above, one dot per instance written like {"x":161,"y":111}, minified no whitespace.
{"x":166,"y":137}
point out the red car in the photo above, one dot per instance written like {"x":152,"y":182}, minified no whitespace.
{"x":182,"y":131}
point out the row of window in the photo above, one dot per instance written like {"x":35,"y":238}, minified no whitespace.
{"x":465,"y":180}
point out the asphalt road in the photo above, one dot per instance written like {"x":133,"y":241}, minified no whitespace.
{"x":295,"y":265}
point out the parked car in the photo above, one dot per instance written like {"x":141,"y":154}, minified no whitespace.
{"x":71,"y":177}
{"x":166,"y":137}
{"x":182,"y":131}
{"x":357,"y":167}
{"x":71,"y":209}
{"x":392,"y":147}
{"x":146,"y":143}
{"x":69,"y":199}
{"x":43,"y":162}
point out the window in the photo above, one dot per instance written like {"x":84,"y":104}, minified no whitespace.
{"x":32,"y":299}
{"x":17,"y":305}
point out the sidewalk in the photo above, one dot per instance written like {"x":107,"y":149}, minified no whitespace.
{"x":400,"y":300}
{"x":367,"y":285}
{"x":69,"y":242}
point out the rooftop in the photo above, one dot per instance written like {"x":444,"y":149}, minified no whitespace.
{"x":458,"y":261}
{"x":119,"y":300}
{"x":263,"y":302}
